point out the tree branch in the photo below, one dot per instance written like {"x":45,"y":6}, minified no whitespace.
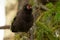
{"x":44,"y":7}
{"x":5,"y":27}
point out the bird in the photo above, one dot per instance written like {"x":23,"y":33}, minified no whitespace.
{"x":24,"y":19}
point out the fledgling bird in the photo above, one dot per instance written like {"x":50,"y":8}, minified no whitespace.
{"x":23,"y":20}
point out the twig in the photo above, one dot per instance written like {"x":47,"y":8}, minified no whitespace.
{"x":5,"y":27}
{"x":44,"y":7}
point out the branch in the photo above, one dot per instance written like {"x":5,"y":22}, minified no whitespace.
{"x":5,"y":27}
{"x":44,"y":7}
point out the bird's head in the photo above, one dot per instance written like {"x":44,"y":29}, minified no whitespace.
{"x":28,"y":7}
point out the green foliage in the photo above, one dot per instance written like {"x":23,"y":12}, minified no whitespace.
{"x":44,"y":29}
{"x":31,"y":2}
{"x":46,"y":22}
{"x":57,"y":17}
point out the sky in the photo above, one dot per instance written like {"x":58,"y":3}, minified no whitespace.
{"x":2,"y":18}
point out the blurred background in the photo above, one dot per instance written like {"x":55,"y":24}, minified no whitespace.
{"x":46,"y":20}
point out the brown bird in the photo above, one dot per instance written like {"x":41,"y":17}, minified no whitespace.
{"x":23,"y":20}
